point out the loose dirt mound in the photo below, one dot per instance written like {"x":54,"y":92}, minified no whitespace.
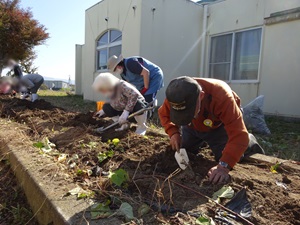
{"x":149,"y":161}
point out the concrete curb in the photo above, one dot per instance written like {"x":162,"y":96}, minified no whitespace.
{"x":44,"y":193}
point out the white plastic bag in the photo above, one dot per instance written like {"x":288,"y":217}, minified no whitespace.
{"x":254,"y":117}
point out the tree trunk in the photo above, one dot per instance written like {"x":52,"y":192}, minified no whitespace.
{"x":1,"y":68}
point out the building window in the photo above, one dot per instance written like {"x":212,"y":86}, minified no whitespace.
{"x":109,"y":44}
{"x":235,"y":56}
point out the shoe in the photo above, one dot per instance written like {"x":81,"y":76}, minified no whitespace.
{"x":34,"y":97}
{"x":141,"y":124}
{"x":24,"y":95}
{"x":253,"y":147}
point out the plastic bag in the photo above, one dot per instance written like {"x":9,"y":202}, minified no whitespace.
{"x":238,"y":204}
{"x":254,"y":117}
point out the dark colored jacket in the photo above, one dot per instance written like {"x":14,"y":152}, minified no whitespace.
{"x":18,"y":71}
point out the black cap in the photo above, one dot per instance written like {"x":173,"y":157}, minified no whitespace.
{"x":182,"y":94}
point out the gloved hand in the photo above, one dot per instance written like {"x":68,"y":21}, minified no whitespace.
{"x":123,"y":117}
{"x":99,"y":114}
{"x":144,"y":90}
{"x":125,"y":126}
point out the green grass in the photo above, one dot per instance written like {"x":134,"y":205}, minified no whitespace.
{"x":283,"y":143}
{"x":285,"y":139}
{"x":67,"y":100}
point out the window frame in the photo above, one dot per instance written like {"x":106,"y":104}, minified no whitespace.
{"x":106,"y":46}
{"x":233,"y":54}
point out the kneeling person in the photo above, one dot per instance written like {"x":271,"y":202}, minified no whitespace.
{"x":123,"y":99}
{"x":199,"y":109}
{"x":29,"y":86}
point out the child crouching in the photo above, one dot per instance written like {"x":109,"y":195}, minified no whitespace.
{"x":123,"y":99}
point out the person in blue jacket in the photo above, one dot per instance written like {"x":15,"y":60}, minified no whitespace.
{"x":147,"y":77}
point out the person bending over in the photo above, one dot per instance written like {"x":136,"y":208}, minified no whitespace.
{"x":29,"y":85}
{"x":147,"y":77}
{"x":203,"y":109}
{"x":123,"y":99}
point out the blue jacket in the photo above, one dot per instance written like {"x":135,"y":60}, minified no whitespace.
{"x":156,"y":77}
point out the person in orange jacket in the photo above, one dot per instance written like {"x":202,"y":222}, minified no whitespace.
{"x":204,"y":109}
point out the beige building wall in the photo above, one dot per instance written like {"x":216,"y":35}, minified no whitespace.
{"x":280,"y":80}
{"x":235,"y":15}
{"x":170,"y":37}
{"x":170,"y":34}
{"x":121,"y":16}
{"x":78,"y":69}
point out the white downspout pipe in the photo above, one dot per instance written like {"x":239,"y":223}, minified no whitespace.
{"x":204,"y":31}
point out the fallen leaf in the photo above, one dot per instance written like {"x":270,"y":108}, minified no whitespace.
{"x":143,"y":210}
{"x":80,"y":193}
{"x":62,"y":158}
{"x":224,"y":192}
{"x":127,"y":211}
{"x":100,"y":211}
{"x":75,"y":191}
{"x":47,"y":145}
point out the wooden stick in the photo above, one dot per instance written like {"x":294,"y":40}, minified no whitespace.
{"x":204,"y":196}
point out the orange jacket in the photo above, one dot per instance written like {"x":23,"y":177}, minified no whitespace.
{"x":220,"y":106}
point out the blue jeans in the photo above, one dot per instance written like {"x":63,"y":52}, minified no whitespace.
{"x":150,"y":98}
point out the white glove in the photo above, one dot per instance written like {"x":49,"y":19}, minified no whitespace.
{"x":123,"y":117}
{"x":100,"y":113}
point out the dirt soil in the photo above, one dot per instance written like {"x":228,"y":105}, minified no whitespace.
{"x":148,"y":161}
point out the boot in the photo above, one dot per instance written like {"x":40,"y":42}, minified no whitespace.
{"x":34,"y":97}
{"x":141,"y":124}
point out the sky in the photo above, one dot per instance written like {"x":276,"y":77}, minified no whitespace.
{"x":64,"y":20}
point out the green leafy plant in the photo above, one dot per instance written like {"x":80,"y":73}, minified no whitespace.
{"x":275,"y":167}
{"x":38,"y":145}
{"x":105,"y":155}
{"x":118,"y":177}
{"x":204,"y":220}
{"x":87,"y":194}
{"x":115,"y":145}
{"x":79,"y":172}
{"x":116,"y":141}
